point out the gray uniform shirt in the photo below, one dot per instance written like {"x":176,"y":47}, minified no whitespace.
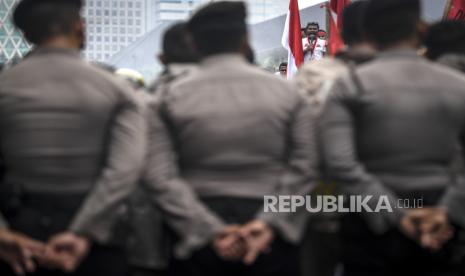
{"x":399,"y":135}
{"x":237,"y":131}
{"x":69,"y":128}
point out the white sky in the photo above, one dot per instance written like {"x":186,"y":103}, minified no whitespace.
{"x":306,"y":3}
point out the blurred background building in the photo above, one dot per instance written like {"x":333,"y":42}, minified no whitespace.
{"x":127,"y":33}
{"x":13,"y":46}
{"x":112,"y":25}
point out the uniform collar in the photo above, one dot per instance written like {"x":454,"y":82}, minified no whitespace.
{"x":62,"y":51}
{"x":179,"y":68}
{"x":399,"y":53}
{"x":224,"y":59}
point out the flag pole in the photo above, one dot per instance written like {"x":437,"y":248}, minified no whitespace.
{"x":328,"y":23}
{"x":447,"y":10}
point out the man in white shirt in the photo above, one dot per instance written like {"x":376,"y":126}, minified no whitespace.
{"x":313,"y":46}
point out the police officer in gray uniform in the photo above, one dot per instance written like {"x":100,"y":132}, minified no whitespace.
{"x":149,"y":249}
{"x":390,"y":129}
{"x":237,"y":133}
{"x":72,"y":138}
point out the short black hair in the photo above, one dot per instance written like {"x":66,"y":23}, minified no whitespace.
{"x":219,"y":27}
{"x":313,"y":24}
{"x":390,"y":21}
{"x":353,"y":31}
{"x":177,"y":48}
{"x":283,"y":64}
{"x":447,"y":37}
{"x":45,"y":19}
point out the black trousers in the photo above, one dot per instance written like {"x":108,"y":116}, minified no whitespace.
{"x":41,"y":216}
{"x":364,"y":253}
{"x":138,"y":271}
{"x":283,"y":258}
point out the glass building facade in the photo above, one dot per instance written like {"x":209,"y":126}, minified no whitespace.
{"x":112,"y":25}
{"x":12,"y":44}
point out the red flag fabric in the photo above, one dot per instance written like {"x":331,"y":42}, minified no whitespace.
{"x":336,"y":43}
{"x":292,"y":39}
{"x":456,"y":10}
{"x":338,"y":7}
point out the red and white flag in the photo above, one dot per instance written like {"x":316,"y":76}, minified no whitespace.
{"x":292,"y":39}
{"x":455,"y":10}
{"x":335,"y":9}
{"x":338,"y":7}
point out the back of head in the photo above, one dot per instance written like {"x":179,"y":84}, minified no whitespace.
{"x":177,"y":48}
{"x":40,"y":20}
{"x":219,"y":27}
{"x":353,"y":31}
{"x":388,"y":22}
{"x":447,"y":37}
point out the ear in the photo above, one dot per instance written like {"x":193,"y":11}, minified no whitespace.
{"x":163,"y":60}
{"x":245,"y":46}
{"x":80,"y":32}
{"x":422,"y":29}
{"x":80,"y":26}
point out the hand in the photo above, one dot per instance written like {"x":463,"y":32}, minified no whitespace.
{"x":258,"y":236}
{"x":229,"y":245}
{"x":429,"y":226}
{"x":19,"y":251}
{"x":65,"y":251}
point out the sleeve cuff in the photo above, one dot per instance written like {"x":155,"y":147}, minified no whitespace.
{"x":453,"y":202}
{"x":3,"y":223}
{"x":199,"y":236}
